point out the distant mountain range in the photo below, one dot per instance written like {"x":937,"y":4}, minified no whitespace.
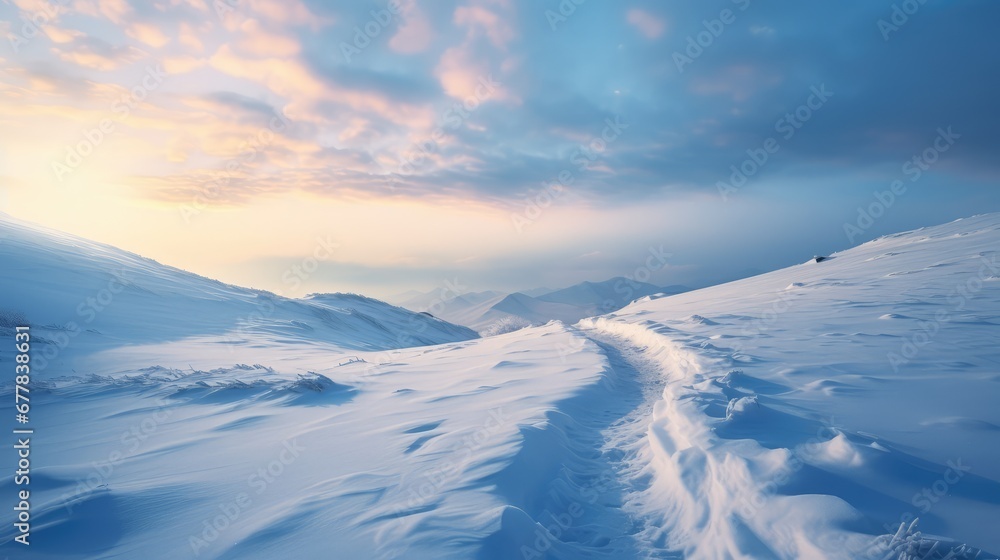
{"x":491,"y":312}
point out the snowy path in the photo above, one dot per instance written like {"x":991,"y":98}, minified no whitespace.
{"x":695,"y":491}
{"x":624,"y":439}
{"x":710,"y":468}
{"x":805,"y":413}
{"x":581,"y":460}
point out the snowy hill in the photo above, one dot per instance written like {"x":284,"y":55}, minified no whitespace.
{"x":832,"y":398}
{"x":82,"y":297}
{"x":812,"y":412}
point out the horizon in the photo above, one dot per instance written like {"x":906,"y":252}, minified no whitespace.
{"x":479,"y":140}
{"x":497,"y":279}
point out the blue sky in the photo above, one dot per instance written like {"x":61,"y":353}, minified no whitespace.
{"x":506,"y":144}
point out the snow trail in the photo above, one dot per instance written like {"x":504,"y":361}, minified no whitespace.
{"x":706,"y":496}
{"x":701,"y":479}
{"x":564,"y":488}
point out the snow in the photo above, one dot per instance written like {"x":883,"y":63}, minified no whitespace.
{"x":812,"y":412}
{"x":85,"y":298}
{"x":838,"y":399}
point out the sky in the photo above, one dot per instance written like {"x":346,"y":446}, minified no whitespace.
{"x":302,"y":146}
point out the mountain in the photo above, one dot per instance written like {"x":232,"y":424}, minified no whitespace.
{"x":82,"y":297}
{"x":607,"y":296}
{"x":494,"y":312}
{"x":569,"y":305}
{"x":535,"y":292}
{"x":533,"y":310}
{"x":812,"y":412}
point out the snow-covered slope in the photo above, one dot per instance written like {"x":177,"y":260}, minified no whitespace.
{"x":806,"y":413}
{"x":82,"y":297}
{"x":811,"y":406}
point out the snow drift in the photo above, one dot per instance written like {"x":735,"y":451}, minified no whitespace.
{"x":813,"y":412}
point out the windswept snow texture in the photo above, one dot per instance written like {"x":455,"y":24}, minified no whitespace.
{"x":813,"y":412}
{"x":83,"y":297}
{"x":813,"y":405}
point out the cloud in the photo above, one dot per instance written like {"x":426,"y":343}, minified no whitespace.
{"x":188,"y":36}
{"x":147,"y":33}
{"x":651,"y":26}
{"x":356,"y":122}
{"x":114,"y":10}
{"x":287,"y":13}
{"x":482,"y":21}
{"x":175,"y":65}
{"x":59,"y":35}
{"x":459,"y":73}
{"x":415,"y":33}
{"x":257,"y":41}
{"x":96,"y":54}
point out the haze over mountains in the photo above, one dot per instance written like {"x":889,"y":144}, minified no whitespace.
{"x":494,"y":312}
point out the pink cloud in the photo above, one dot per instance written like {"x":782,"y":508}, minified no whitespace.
{"x":147,"y":34}
{"x":260,"y":42}
{"x":648,"y":24}
{"x":415,"y":33}
{"x":481,"y":20}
